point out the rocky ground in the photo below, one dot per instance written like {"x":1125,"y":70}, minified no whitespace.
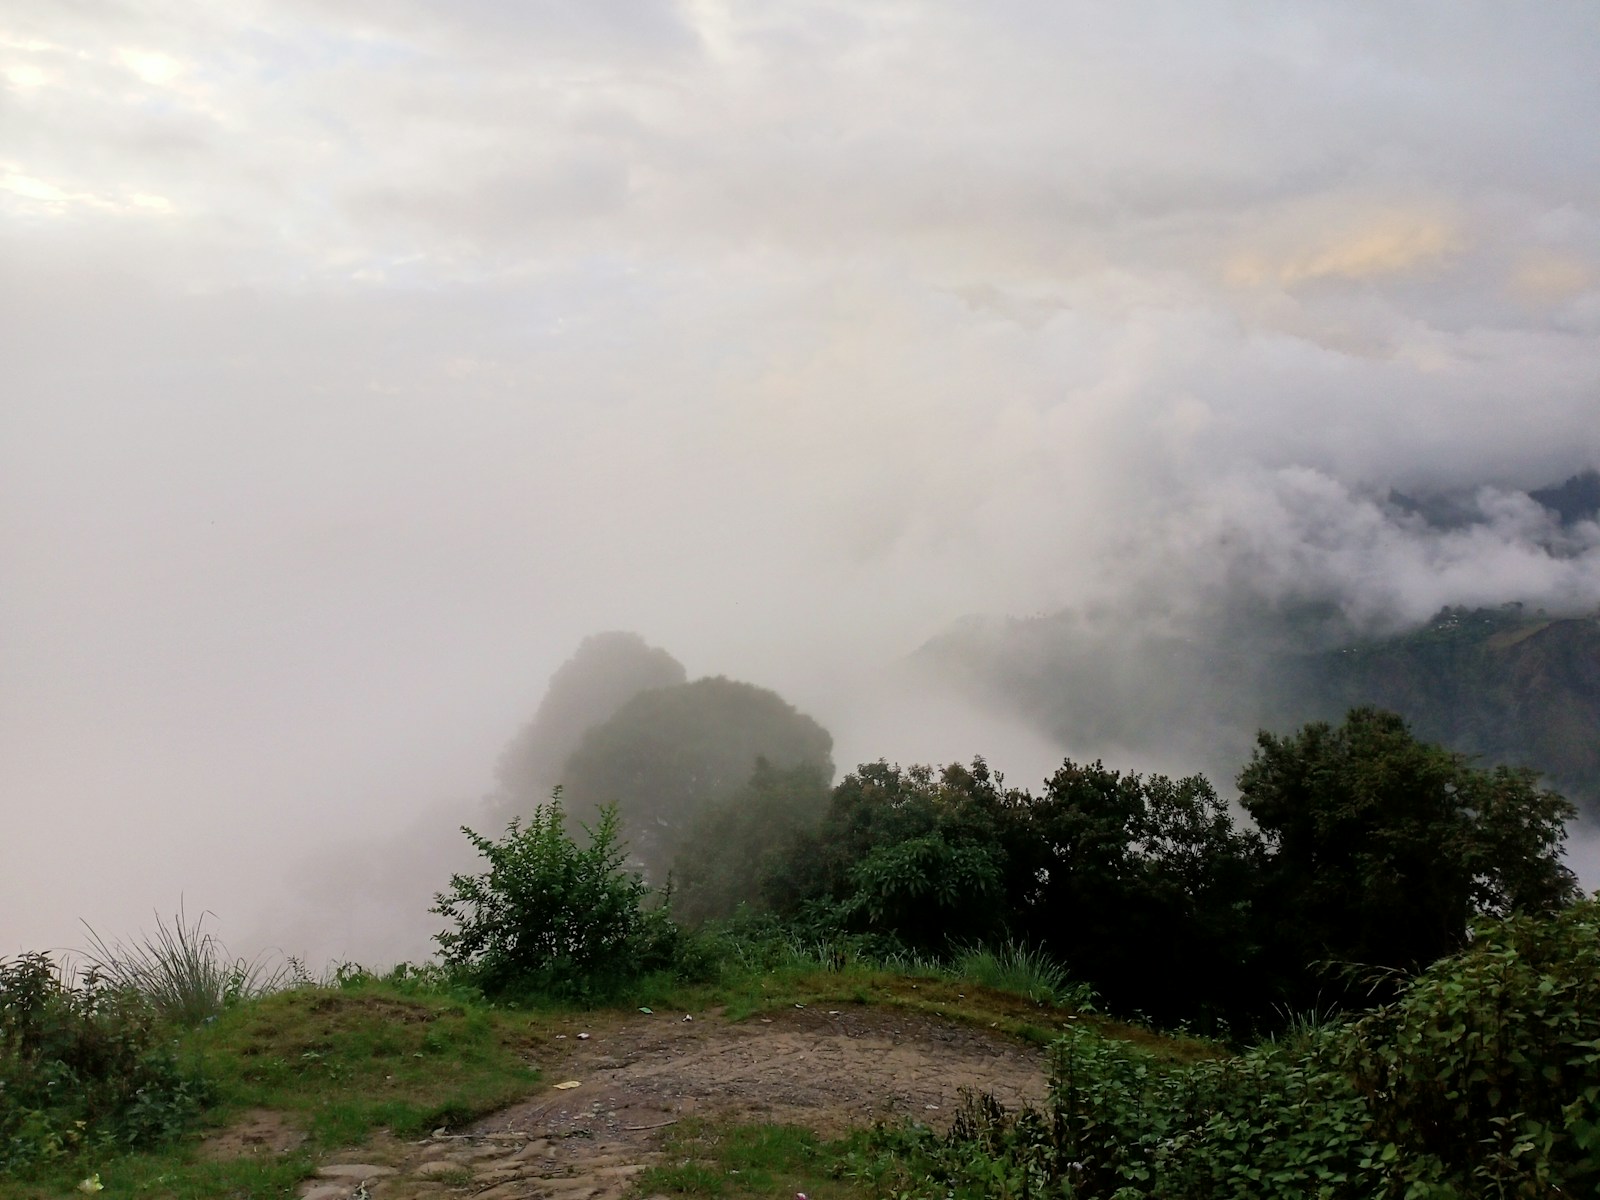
{"x":627,"y":1081}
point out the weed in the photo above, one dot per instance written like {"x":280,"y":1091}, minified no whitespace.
{"x":1021,"y":971}
{"x":183,"y":970}
{"x":746,"y":1161}
{"x":83,"y":1067}
{"x":369,"y":1056}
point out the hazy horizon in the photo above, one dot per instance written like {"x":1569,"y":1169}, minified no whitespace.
{"x":362,"y":358}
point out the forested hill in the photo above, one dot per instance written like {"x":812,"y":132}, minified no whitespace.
{"x":1510,"y":686}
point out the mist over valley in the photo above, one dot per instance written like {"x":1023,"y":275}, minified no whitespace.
{"x":1031,"y":382}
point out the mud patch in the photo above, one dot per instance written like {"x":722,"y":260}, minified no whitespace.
{"x":258,"y":1132}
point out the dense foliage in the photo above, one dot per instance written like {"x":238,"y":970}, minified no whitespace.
{"x":1373,"y":852}
{"x":1483,"y":1079}
{"x":670,"y":754}
{"x":82,"y":1064}
{"x":1381,"y":849}
{"x":735,"y":846}
{"x":550,"y":916}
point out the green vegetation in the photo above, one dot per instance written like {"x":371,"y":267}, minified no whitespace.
{"x":1371,"y":854}
{"x":1483,"y":1079}
{"x":1380,"y":849}
{"x":552,"y":918}
{"x":1504,"y":684}
{"x":1016,"y":969}
{"x":738,"y":843}
{"x":750,"y":1161}
{"x":1415,"y":903}
{"x":183,"y":971}
{"x":670,"y":754}
{"x":607,"y":670}
{"x":83,"y":1066}
{"x":370,"y":1054}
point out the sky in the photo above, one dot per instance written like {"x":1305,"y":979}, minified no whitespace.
{"x":361,"y":357}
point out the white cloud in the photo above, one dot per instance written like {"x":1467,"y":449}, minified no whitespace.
{"x":794,"y":332}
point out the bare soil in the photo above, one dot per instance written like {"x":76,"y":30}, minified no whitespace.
{"x":830,"y":1070}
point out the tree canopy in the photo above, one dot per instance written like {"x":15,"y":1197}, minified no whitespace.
{"x":606,"y":671}
{"x":1381,"y":848}
{"x":669,"y":753}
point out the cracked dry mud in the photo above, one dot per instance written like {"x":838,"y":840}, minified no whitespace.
{"x":828,"y":1070}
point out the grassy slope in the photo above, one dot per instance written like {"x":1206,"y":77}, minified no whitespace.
{"x":342,"y":1064}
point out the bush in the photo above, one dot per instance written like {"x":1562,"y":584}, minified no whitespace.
{"x":1486,"y":1073}
{"x":550,"y":917}
{"x":1031,"y":974}
{"x":82,"y":1065}
{"x":1483,"y":1079}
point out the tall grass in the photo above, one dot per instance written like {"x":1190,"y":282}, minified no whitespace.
{"x":1015,"y":968}
{"x":183,"y":970}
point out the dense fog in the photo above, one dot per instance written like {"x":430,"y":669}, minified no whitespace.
{"x":362,"y":359}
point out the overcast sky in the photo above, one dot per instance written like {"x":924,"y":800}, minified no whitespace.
{"x":359,"y":358}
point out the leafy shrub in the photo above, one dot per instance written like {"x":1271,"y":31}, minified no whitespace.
{"x":1123,"y":1124}
{"x":184,"y":971}
{"x":1483,"y":1079}
{"x":552,"y":917}
{"x":82,"y":1065}
{"x":1486,"y":1073}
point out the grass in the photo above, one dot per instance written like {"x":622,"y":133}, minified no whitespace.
{"x":1016,"y":969}
{"x":413,"y":1050}
{"x":735,"y":1162}
{"x":176,"y":1174}
{"x":183,"y":970}
{"x":341,"y":1064}
{"x":346,"y":1062}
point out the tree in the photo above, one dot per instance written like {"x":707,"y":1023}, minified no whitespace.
{"x":607,"y":671}
{"x":737,"y":843}
{"x":669,"y":753}
{"x":909,"y":854}
{"x":1381,"y":848}
{"x":1140,"y":885}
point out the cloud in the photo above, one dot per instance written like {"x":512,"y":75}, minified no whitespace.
{"x":361,"y":358}
{"x":1388,"y":244}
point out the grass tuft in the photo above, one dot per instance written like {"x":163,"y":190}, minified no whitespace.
{"x":183,"y":970}
{"x":1016,"y":969}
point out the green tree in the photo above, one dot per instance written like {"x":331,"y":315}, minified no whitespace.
{"x":906,"y":853}
{"x":1139,"y":886}
{"x":607,"y":670}
{"x":669,"y":754}
{"x":736,"y":844}
{"x":1142,"y":886}
{"x":1381,"y":849}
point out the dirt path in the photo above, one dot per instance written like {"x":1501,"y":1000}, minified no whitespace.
{"x":829,"y":1070}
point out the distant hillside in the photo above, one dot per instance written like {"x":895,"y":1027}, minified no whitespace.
{"x":1578,"y":499}
{"x":1506,"y":685}
{"x":1511,"y":687}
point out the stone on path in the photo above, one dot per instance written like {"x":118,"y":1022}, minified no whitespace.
{"x":355,"y":1171}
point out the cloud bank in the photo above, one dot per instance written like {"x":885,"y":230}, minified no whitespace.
{"x":360,"y":358}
